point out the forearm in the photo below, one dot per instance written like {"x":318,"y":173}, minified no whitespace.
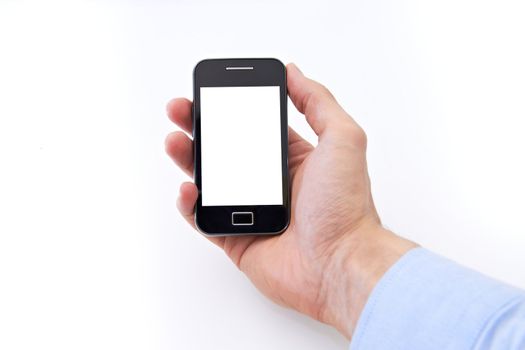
{"x":355,"y":268}
{"x":386,"y":295}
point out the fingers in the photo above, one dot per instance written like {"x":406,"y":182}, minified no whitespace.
{"x":179,"y":112}
{"x":186,"y":202}
{"x":314,"y":101}
{"x":180,"y":148}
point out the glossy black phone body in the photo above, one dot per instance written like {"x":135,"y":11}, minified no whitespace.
{"x":220,"y":220}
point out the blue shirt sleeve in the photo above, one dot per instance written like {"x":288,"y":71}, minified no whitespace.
{"x":428,"y":302}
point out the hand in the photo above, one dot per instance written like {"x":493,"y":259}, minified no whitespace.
{"x":334,"y":251}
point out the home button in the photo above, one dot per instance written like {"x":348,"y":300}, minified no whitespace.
{"x":240,"y":218}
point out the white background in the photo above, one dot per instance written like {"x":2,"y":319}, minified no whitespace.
{"x":92,"y":251}
{"x":241,"y":145}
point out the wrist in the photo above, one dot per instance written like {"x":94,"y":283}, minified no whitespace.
{"x":356,"y":266}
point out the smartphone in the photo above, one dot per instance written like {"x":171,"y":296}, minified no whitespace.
{"x":240,"y":132}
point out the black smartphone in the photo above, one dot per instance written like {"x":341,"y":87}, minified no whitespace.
{"x":240,"y":132}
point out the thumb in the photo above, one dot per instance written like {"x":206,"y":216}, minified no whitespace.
{"x":314,"y":101}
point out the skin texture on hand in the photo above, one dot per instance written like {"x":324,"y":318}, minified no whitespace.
{"x":335,"y":250}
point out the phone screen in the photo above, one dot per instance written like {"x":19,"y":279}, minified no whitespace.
{"x":241,"y":160}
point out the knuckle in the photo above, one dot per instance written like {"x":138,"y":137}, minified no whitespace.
{"x":354,"y":135}
{"x":315,"y":98}
{"x":324,"y":91}
{"x":358,"y":137}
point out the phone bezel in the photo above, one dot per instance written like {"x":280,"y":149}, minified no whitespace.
{"x":216,"y":220}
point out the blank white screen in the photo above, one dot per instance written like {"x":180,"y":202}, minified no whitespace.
{"x":241,"y":146}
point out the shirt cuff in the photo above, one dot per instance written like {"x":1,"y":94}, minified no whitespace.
{"x":425,"y":301}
